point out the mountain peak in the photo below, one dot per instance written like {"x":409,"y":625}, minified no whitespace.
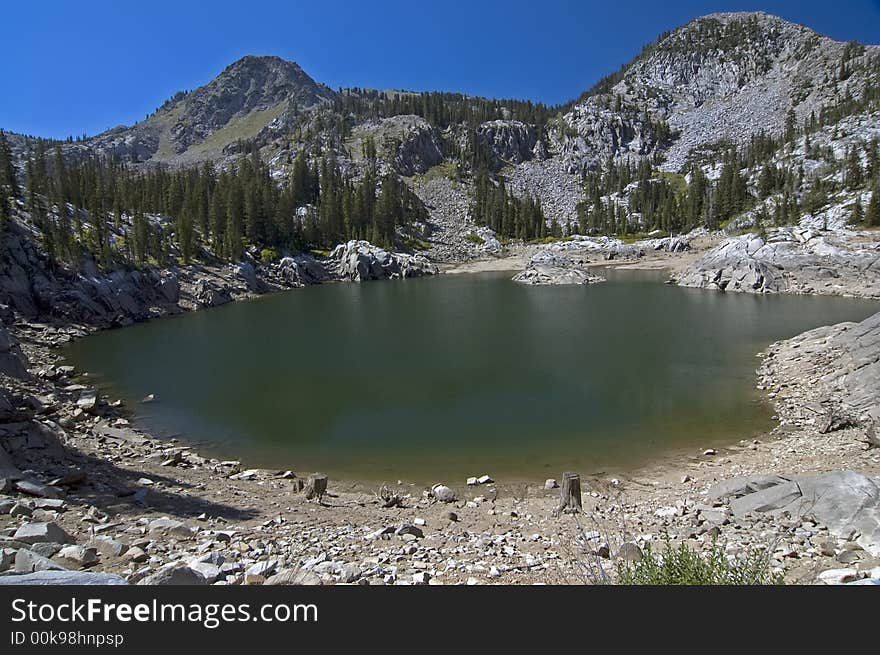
{"x":249,"y":63}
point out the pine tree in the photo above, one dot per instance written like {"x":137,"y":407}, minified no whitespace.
{"x":7,"y":170}
{"x":858,"y":214}
{"x":233,"y":246}
{"x":872,"y":216}
{"x":790,"y":126}
{"x":853,"y":170}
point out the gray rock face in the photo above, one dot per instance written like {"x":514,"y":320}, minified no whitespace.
{"x":419,"y":149}
{"x":7,"y":411}
{"x":548,"y":267}
{"x":855,"y":378}
{"x":837,"y":368}
{"x":78,"y":555}
{"x":247,"y":272}
{"x":295,"y":577}
{"x":793,"y":260}
{"x":249,"y":84}
{"x":593,"y":133}
{"x":208,"y":294}
{"x":12,"y":360}
{"x":302,"y":270}
{"x":847,"y":503}
{"x":491,"y":245}
{"x":360,"y":261}
{"x":739,"y":264}
{"x":62,"y":578}
{"x":507,"y":142}
{"x":667,"y":244}
{"x":169,"y":287}
{"x":35,"y":289}
{"x":407,"y":142}
{"x":769,"y":499}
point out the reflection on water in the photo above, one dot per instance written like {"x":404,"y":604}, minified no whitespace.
{"x":458,"y":375}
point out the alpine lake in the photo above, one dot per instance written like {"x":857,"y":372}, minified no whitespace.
{"x":436,"y":379}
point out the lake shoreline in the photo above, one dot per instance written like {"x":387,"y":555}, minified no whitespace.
{"x":502,"y":532}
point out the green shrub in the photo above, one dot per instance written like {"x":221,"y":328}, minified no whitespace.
{"x":268,"y":255}
{"x":682,"y":565}
{"x":475,"y":238}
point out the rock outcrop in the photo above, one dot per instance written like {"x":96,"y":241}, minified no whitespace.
{"x":301,"y":270}
{"x":490,"y":245}
{"x":34,"y":288}
{"x":418,"y":149}
{"x":793,"y":260}
{"x":360,"y":260}
{"x":12,"y":360}
{"x":848,"y":503}
{"x":407,"y":142}
{"x":832,"y":375}
{"x":547,"y":267}
{"x":506,"y":142}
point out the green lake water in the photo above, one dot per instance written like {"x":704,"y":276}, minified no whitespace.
{"x":442,"y":378}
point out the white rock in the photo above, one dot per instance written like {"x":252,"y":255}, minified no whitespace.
{"x":443,"y":493}
{"x":838,"y":576}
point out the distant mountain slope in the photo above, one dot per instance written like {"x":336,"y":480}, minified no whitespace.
{"x":723,"y":76}
{"x":244,"y":98}
{"x":681,"y":104}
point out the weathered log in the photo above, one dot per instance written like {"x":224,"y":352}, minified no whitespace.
{"x":316,"y":486}
{"x":570,"y":494}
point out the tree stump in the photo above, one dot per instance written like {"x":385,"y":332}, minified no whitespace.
{"x":316,"y":486}
{"x":570,"y":494}
{"x":871,"y":437}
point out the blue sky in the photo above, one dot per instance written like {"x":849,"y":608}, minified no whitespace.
{"x":82,"y":67}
